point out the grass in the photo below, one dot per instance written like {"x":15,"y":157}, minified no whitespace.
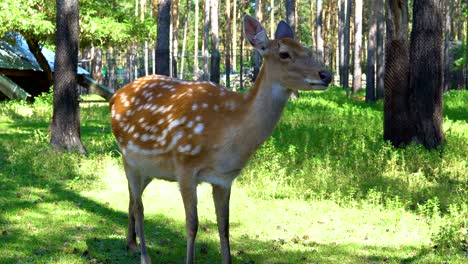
{"x":325,"y":188}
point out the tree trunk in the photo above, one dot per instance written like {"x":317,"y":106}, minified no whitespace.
{"x":36,"y":50}
{"x":65,"y":128}
{"x":227,"y":44}
{"x":215,"y":57}
{"x":370,"y":73}
{"x":426,"y":72}
{"x":145,"y":45}
{"x":347,"y":40}
{"x":175,"y":36}
{"x":357,"y":71}
{"x":341,"y":38}
{"x":184,"y":41}
{"x":272,"y":17}
{"x":97,"y":66}
{"x":448,"y":35}
{"x":380,"y":81}
{"x":291,"y":14}
{"x":257,"y":59}
{"x":319,"y":39}
{"x":397,"y":125}
{"x":195,"y":45}
{"x":206,"y":30}
{"x":162,"y":43}
{"x":234,"y":37}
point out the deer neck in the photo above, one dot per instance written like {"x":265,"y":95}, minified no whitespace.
{"x":267,"y":101}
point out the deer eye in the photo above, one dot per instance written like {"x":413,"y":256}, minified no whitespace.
{"x":284,"y":55}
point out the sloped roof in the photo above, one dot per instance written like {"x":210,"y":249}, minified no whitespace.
{"x":18,"y":56}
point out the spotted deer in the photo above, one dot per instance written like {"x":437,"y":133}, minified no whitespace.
{"x":193,"y":132}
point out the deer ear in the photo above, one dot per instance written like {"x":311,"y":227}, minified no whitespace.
{"x":255,"y":34}
{"x":283,"y":31}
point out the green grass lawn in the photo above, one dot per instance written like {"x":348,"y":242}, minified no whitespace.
{"x":325,"y":188}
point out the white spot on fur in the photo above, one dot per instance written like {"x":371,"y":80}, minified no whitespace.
{"x":198,"y":128}
{"x":195,"y":150}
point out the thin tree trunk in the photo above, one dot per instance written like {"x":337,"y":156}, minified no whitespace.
{"x":426,"y":71}
{"x":357,"y":71}
{"x":206,"y":29}
{"x":97,"y":65}
{"x":291,"y":14}
{"x":184,"y":41}
{"x":227,"y":43}
{"x":145,"y":45}
{"x":195,"y":45}
{"x":312,"y":23}
{"x":215,"y":56}
{"x":162,"y":43}
{"x":448,"y":33}
{"x":341,"y":38}
{"x":370,"y":73}
{"x":380,"y":76}
{"x":175,"y":36}
{"x":65,"y":128}
{"x":346,"y":37}
{"x":235,"y":35}
{"x":257,"y":59}
{"x":318,"y":26}
{"x":272,"y":17}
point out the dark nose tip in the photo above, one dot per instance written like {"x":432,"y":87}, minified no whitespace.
{"x":325,"y":76}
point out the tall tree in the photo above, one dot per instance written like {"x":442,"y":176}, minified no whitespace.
{"x":184,"y":41}
{"x":162,"y":43}
{"x":145,"y":44}
{"x":65,"y":128}
{"x":379,"y":7}
{"x":319,"y":24}
{"x":291,"y":14}
{"x":426,"y":72}
{"x":341,"y":46}
{"x":272,"y":17}
{"x":370,"y":72}
{"x":175,"y":36}
{"x":397,"y":125}
{"x":206,"y":30}
{"x":215,"y":57}
{"x":448,"y":36}
{"x":195,"y":44}
{"x":257,"y":59}
{"x":347,"y":40}
{"x":234,"y":36}
{"x":357,"y":71}
{"x":227,"y":43}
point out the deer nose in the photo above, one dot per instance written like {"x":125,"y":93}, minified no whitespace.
{"x":325,"y":76}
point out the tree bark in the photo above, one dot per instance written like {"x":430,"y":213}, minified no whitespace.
{"x":426,"y":72}
{"x":162,"y":43}
{"x":291,"y":14}
{"x":370,"y":73}
{"x":215,"y":57}
{"x":227,"y":44}
{"x":175,"y":36}
{"x":357,"y":71}
{"x":319,"y":39}
{"x":206,"y":30}
{"x":380,"y":76}
{"x":195,"y":45}
{"x":347,"y":40}
{"x":448,"y":35}
{"x":184,"y":41}
{"x":65,"y":127}
{"x":398,"y":128}
{"x":341,"y":31}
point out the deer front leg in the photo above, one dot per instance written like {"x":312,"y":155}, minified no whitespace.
{"x":189,"y":197}
{"x":221,"y":197}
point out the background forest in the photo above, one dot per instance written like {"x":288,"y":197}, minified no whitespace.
{"x":324,"y":188}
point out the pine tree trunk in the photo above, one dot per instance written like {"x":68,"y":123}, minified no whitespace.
{"x":257,"y":59}
{"x":195,"y":44}
{"x":426,"y":72}
{"x":184,"y":41}
{"x":357,"y":71}
{"x":65,"y":128}
{"x":347,"y":40}
{"x":448,"y":35}
{"x":206,"y":30}
{"x":341,"y":38}
{"x":370,"y":73}
{"x":318,"y":26}
{"x":380,"y":76}
{"x":215,"y":56}
{"x":227,"y":44}
{"x":162,"y":43}
{"x":398,"y":128}
{"x":175,"y":36}
{"x":234,"y":36}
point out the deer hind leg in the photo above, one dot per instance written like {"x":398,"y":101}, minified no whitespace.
{"x":136,"y":186}
{"x":221,"y":196}
{"x":188,"y":189}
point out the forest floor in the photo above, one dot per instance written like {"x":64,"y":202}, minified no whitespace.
{"x":325,"y":188}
